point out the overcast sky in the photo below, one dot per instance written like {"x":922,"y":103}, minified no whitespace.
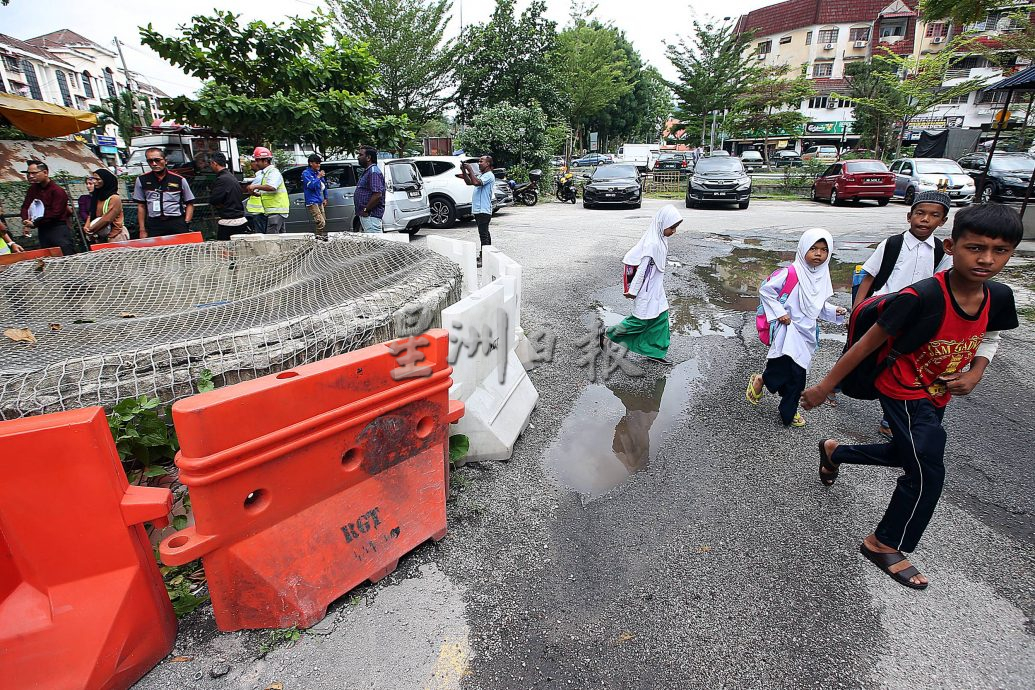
{"x":649,"y":24}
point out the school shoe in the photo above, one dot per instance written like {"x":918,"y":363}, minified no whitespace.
{"x":798,"y":422}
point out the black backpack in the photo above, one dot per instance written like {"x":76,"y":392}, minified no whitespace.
{"x":892,"y":249}
{"x":858,"y":383}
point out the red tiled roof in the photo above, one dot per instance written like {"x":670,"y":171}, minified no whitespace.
{"x":825,"y":86}
{"x":794,"y":14}
{"x":61,"y":38}
{"x":31,"y":49}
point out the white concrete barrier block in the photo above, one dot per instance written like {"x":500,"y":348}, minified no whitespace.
{"x":487,"y":374}
{"x":460,"y":252}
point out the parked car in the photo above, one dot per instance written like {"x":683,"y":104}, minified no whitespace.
{"x":590,"y":159}
{"x":752,"y":160}
{"x":614,"y":183}
{"x":679,"y":161}
{"x":823,"y":154}
{"x":449,"y":196}
{"x":914,"y":175}
{"x":786,"y":158}
{"x":643,"y":156}
{"x":719,"y":179}
{"x":1008,"y":175}
{"x":406,"y":199}
{"x":556,"y":161}
{"x":855,"y":180}
{"x":719,"y":153}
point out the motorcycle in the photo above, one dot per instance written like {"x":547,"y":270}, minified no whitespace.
{"x":566,"y":187}
{"x":527,"y":192}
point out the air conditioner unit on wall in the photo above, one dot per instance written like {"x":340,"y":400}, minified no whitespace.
{"x":938,"y":39}
{"x":761,"y":56}
{"x":832,"y":104}
{"x":828,"y":46}
{"x":860,"y":44}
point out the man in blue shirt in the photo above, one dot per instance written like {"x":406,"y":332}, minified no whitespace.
{"x":315,"y":190}
{"x":484,"y":193}
{"x":370,"y":191}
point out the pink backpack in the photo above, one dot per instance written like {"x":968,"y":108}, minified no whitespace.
{"x":762,"y":325}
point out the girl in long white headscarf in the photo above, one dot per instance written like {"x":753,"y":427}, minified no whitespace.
{"x":646,"y":332}
{"x":794,"y":340}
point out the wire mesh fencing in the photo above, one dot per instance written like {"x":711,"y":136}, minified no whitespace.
{"x":96,"y":328}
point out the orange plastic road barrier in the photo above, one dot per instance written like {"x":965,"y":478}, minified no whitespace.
{"x":161,"y":241}
{"x":12,"y":258}
{"x":82,"y":605}
{"x":308,"y":482}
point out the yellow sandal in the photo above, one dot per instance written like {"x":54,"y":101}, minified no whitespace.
{"x":750,"y":394}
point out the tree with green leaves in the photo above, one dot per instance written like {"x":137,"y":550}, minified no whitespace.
{"x":912,"y":86}
{"x":507,"y":60}
{"x":874,"y":126}
{"x":511,"y":134}
{"x":770,"y":105}
{"x":277,"y":83}
{"x":713,"y":71}
{"x":592,"y":71}
{"x":122,"y":111}
{"x":415,"y":60}
{"x":961,"y":12}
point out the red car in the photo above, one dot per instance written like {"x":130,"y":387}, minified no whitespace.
{"x":855,"y":180}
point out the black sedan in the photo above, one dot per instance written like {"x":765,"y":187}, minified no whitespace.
{"x":1008,"y":175}
{"x":787,"y":158}
{"x":680,"y":162}
{"x":613,"y":184}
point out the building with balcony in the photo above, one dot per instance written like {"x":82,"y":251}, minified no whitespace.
{"x":68,"y":69}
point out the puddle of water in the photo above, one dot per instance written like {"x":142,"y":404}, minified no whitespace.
{"x":613,"y":432}
{"x":687,"y":316}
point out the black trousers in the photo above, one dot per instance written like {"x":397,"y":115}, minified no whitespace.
{"x":919,"y":449}
{"x":160,"y":227}
{"x":784,"y":376}
{"x":482,"y":219}
{"x":57,"y":236}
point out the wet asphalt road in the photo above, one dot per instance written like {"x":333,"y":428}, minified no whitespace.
{"x":723,"y":562}
{"x":659,"y":532}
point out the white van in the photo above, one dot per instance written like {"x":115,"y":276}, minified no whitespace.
{"x":643,"y":156}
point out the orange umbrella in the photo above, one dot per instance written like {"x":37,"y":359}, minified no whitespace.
{"x":41,"y":119}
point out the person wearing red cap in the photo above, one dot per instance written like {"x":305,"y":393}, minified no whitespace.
{"x":165,"y":203}
{"x":269,"y":193}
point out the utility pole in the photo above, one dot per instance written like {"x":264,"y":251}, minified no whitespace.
{"x":129,"y":83}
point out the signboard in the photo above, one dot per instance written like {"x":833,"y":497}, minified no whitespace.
{"x":834,"y":127}
{"x":106,"y":141}
{"x":936,"y":122}
{"x":109,"y":149}
{"x":593,"y":141}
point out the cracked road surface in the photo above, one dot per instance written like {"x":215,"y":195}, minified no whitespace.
{"x":659,"y":532}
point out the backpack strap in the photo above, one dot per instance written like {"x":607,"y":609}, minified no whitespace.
{"x":931,"y":314}
{"x":939,"y":253}
{"x":892,"y":248}
{"x":790,"y":282}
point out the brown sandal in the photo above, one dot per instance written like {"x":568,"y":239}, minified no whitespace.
{"x":829,"y":476}
{"x":886,"y":561}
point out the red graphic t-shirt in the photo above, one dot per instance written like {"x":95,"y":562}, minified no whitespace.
{"x":916,"y":375}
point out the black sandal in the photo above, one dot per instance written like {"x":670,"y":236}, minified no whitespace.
{"x":825,"y":463}
{"x":884,"y":561}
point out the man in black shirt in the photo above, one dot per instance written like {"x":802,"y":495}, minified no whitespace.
{"x":226,"y":198}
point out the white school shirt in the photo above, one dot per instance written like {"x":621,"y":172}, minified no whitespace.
{"x":915,"y":262}
{"x":797,"y":341}
{"x":649,"y":288}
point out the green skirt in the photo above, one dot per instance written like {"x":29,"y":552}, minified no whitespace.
{"x":649,"y":338}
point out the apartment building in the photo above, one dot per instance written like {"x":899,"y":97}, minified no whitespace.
{"x":826,"y":36}
{"x":68,"y":69}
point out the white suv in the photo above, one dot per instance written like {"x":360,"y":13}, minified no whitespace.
{"x":448,"y":196}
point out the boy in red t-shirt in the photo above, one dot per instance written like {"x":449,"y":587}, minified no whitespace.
{"x":916,"y":388}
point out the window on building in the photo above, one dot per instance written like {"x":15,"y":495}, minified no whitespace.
{"x":808,"y":38}
{"x":31,"y":81}
{"x":1000,"y":20}
{"x":818,"y":102}
{"x":3,"y":89}
{"x":88,"y":85}
{"x":11,"y":63}
{"x":993,"y":97}
{"x":62,"y":82}
{"x":957,"y":100}
{"x":937,"y":30}
{"x":109,"y":81}
{"x":785,"y":40}
{"x":822,"y":69}
{"x":890,"y":28}
{"x":861,"y":33}
{"x":827,"y":36}
{"x":765,"y":47}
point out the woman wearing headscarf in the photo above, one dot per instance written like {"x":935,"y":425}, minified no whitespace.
{"x":793,"y":315}
{"x":646,"y":331}
{"x":106,"y":222}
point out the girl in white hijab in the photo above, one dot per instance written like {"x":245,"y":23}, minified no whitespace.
{"x":646,"y":332}
{"x":795,"y":338}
